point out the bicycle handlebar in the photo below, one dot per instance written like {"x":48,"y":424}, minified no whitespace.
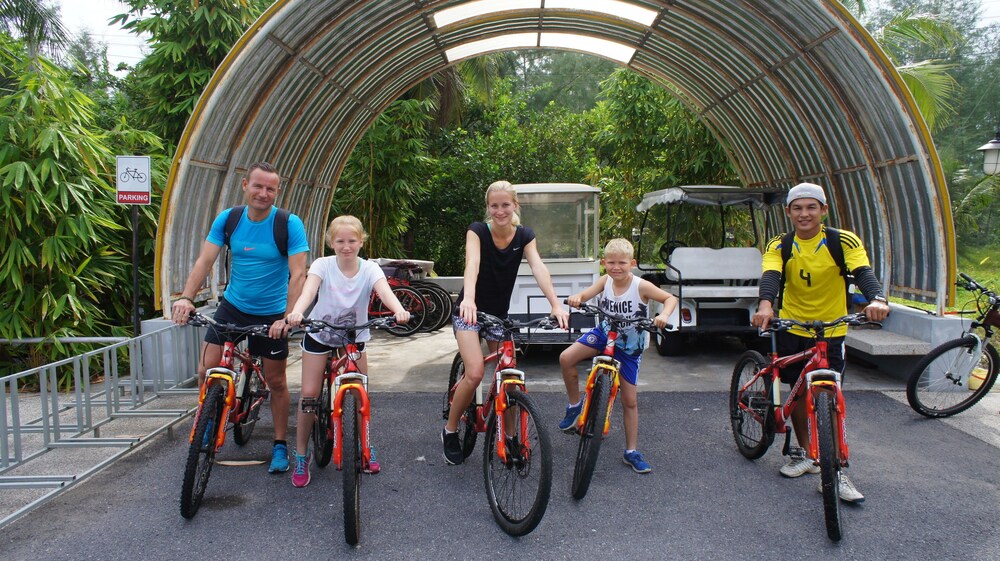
{"x":641,"y":323}
{"x":970,"y":284}
{"x":784,"y":324}
{"x":508,"y":324}
{"x":316,"y":325}
{"x":199,"y":320}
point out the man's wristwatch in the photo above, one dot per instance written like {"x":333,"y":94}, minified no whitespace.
{"x":881,"y":299}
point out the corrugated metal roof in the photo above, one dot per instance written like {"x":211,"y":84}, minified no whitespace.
{"x":795,"y":91}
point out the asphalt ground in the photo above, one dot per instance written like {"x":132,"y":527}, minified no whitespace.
{"x":931,"y":486}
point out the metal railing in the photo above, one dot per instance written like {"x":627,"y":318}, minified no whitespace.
{"x":69,"y":403}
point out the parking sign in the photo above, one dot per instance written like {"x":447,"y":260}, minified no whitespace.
{"x":132,"y":180}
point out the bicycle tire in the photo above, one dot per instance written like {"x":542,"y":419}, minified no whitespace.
{"x":939,"y":384}
{"x":467,"y":434}
{"x":752,"y":424}
{"x":433,"y":308}
{"x":518,"y":490}
{"x":413,"y":303}
{"x":249,"y":414}
{"x":201,"y":453}
{"x":829,"y":461}
{"x":321,"y":437}
{"x":591,"y":437}
{"x":351,"y":468}
{"x":447,"y":305}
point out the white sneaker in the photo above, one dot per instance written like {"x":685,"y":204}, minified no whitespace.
{"x":798,"y":464}
{"x":848,"y":492}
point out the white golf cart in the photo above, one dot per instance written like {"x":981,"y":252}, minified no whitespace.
{"x":564,"y":217}
{"x":703,"y":245}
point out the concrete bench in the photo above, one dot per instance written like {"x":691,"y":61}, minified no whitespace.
{"x":881,"y":342}
{"x":730,"y":272}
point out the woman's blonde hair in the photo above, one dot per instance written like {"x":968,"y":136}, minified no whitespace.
{"x":504,"y":187}
{"x":345,"y":221}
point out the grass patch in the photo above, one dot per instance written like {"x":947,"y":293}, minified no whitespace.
{"x":980,"y":263}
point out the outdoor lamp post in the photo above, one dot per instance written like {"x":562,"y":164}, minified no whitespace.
{"x":991,"y":155}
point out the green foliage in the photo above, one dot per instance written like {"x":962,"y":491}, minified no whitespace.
{"x":190,"y":39}
{"x":385,"y":176}
{"x":649,"y":141}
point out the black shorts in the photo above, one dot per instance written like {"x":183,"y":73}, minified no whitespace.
{"x":314,"y":347}
{"x":274,"y":349}
{"x":789,"y":344}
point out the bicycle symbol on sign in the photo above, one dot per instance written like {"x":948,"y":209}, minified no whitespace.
{"x":132,"y":173}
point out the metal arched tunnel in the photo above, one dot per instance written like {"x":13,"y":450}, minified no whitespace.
{"x":794,"y":91}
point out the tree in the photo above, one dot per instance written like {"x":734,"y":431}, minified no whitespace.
{"x":189,"y":39}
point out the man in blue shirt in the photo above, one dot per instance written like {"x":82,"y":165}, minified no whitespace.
{"x":263,"y":285}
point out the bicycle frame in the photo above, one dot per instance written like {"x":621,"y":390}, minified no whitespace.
{"x":816,"y":376}
{"x":505,"y":374}
{"x":349,"y":379}
{"x":233,"y":382}
{"x":604,"y":361}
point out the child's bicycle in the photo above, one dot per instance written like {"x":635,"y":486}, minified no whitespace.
{"x":599,"y":396}
{"x":343,"y":416}
{"x":517,"y":460}
{"x":756,"y":412}
{"x":958,"y":373}
{"x":230,"y":396}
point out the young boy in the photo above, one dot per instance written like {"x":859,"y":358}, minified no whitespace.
{"x":627,"y":295}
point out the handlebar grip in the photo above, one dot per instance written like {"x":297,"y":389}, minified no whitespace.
{"x":966,"y":277}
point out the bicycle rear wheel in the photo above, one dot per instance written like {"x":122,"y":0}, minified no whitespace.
{"x":518,"y":489}
{"x":751,"y":411}
{"x":467,"y":425}
{"x":351,"y":469}
{"x":591,"y":437}
{"x":829,"y":461}
{"x":322,"y":441}
{"x":413,"y":303}
{"x":247,"y":413}
{"x":201,"y":453}
{"x":952,"y":377}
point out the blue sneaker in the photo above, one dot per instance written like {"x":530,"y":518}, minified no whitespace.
{"x":279,"y":459}
{"x":568,"y":424}
{"x":634,"y":459}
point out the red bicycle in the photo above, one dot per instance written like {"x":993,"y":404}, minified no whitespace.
{"x":756,"y":412}
{"x":230,"y":396}
{"x":412,"y":302}
{"x":517,"y":460}
{"x":343,"y":415}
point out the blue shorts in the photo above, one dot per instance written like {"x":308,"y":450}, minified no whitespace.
{"x":494,"y":333}
{"x":596,"y":338}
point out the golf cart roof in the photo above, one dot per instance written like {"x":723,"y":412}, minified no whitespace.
{"x":713,"y":195}
{"x":555,"y":188}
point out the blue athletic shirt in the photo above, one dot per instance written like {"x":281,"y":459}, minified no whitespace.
{"x":258,"y":283}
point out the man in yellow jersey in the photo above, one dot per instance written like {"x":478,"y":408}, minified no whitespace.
{"x":814,"y":289}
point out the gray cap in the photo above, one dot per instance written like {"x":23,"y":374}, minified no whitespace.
{"x":806,"y":191}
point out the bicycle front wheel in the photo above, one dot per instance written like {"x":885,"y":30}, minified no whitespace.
{"x":751,"y":411}
{"x":952,"y":377}
{"x":322,"y":443}
{"x":351,"y":469}
{"x":829,"y":461}
{"x":518,"y":488}
{"x":591,"y":437}
{"x":201,"y":453}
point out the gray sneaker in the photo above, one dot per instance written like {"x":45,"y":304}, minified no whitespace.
{"x":798,"y":464}
{"x":848,"y":492}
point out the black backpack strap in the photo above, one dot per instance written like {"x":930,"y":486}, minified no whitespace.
{"x":281,"y":230}
{"x":836,"y":250}
{"x":786,"y":253}
{"x":235,"y":214}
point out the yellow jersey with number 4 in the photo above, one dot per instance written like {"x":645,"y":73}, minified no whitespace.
{"x":814,"y":288}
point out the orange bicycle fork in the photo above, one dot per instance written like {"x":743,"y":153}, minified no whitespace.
{"x":827,"y":380}
{"x":504,"y":380}
{"x":364,"y":410}
{"x":603,"y":361}
{"x":217,"y":376}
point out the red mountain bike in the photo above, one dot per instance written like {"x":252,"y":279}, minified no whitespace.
{"x":756,"y":412}
{"x":230,"y":396}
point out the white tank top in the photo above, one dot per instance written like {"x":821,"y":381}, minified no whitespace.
{"x":630,"y":305}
